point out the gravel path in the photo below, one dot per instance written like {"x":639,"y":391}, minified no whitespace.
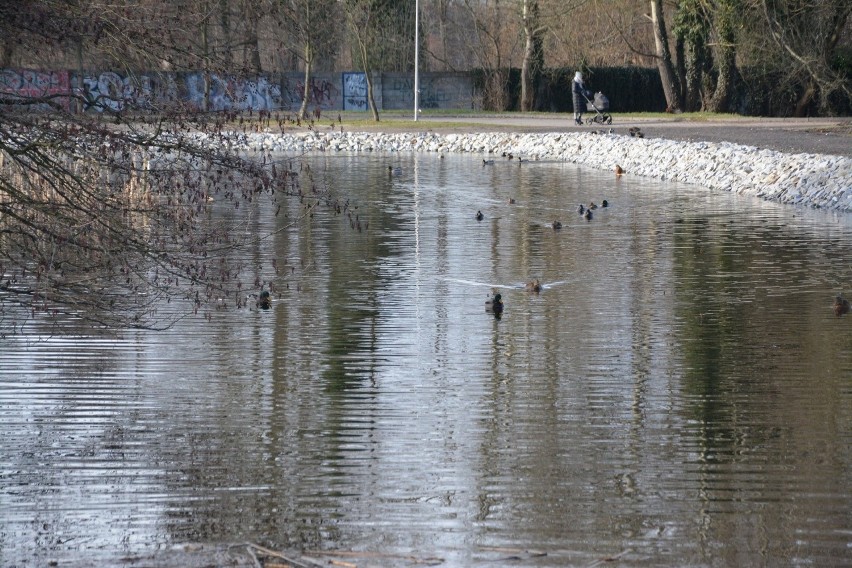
{"x":789,"y":135}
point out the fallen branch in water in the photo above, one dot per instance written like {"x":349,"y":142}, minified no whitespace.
{"x":429,"y":560}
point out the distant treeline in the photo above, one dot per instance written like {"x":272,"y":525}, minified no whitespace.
{"x":638,"y":89}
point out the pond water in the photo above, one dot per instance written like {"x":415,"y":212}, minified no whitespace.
{"x":679,"y":393}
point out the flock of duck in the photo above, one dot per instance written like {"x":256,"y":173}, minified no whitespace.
{"x":585,"y":212}
{"x":494,"y":304}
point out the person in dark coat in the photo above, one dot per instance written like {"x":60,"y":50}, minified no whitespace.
{"x":579,"y":103}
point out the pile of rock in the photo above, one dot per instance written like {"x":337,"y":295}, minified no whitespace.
{"x":804,"y":179}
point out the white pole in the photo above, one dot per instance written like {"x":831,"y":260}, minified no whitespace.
{"x":416,"y":57}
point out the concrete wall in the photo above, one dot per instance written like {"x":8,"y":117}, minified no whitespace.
{"x":437,"y":91}
{"x":109,"y":90}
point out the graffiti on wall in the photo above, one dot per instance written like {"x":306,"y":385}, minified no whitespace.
{"x":322,"y":92}
{"x":228,"y":93}
{"x":354,"y":91}
{"x":32,"y":84}
{"x":114,"y":92}
{"x":111,"y":91}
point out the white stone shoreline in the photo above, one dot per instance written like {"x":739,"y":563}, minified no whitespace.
{"x":813,"y":180}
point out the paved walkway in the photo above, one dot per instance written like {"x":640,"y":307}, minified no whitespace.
{"x":792,"y":135}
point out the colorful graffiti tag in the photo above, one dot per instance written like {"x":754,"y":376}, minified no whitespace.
{"x":228,"y":93}
{"x":35,"y":86}
{"x":109,"y":91}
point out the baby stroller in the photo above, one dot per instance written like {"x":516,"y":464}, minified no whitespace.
{"x":600,"y":104}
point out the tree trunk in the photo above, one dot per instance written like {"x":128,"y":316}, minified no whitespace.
{"x":805,"y":100}
{"x":527,"y":92}
{"x":726,"y":66}
{"x":726,"y":53}
{"x":79,"y":105}
{"x":691,"y":28}
{"x":306,"y":92}
{"x":370,"y":99}
{"x":680,"y":69}
{"x":692,"y":78}
{"x":6,"y":51}
{"x":252,"y":39}
{"x":669,"y":79}
{"x":533,"y":56}
{"x":225,"y":23}
{"x":205,"y":54}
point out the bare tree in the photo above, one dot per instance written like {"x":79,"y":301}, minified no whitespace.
{"x":306,"y":25}
{"x":493,"y":41}
{"x":105,"y":215}
{"x":805,"y":36}
{"x":533,"y":61}
{"x":668,"y":76}
{"x":362,"y":16}
{"x":538,"y":19}
{"x":251,"y":21}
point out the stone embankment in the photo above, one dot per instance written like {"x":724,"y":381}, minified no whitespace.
{"x":815,"y":180}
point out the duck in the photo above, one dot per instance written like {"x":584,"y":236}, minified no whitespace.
{"x":511,"y":201}
{"x":619,"y":170}
{"x":533,"y":285}
{"x":487,"y":162}
{"x":264,"y":302}
{"x":581,"y":209}
{"x":556,"y":225}
{"x":494,"y":304}
{"x":592,"y":205}
{"x":604,"y":203}
{"x":841,"y":305}
{"x":479,"y":216}
{"x":392,"y":171}
{"x":587,"y":215}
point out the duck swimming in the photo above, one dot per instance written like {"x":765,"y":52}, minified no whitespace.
{"x":556,"y":225}
{"x":479,"y":216}
{"x":619,"y":170}
{"x":581,"y":209}
{"x":841,"y":305}
{"x":534,"y":285}
{"x":494,"y":304}
{"x":604,"y":203}
{"x":587,"y":215}
{"x":264,"y":302}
